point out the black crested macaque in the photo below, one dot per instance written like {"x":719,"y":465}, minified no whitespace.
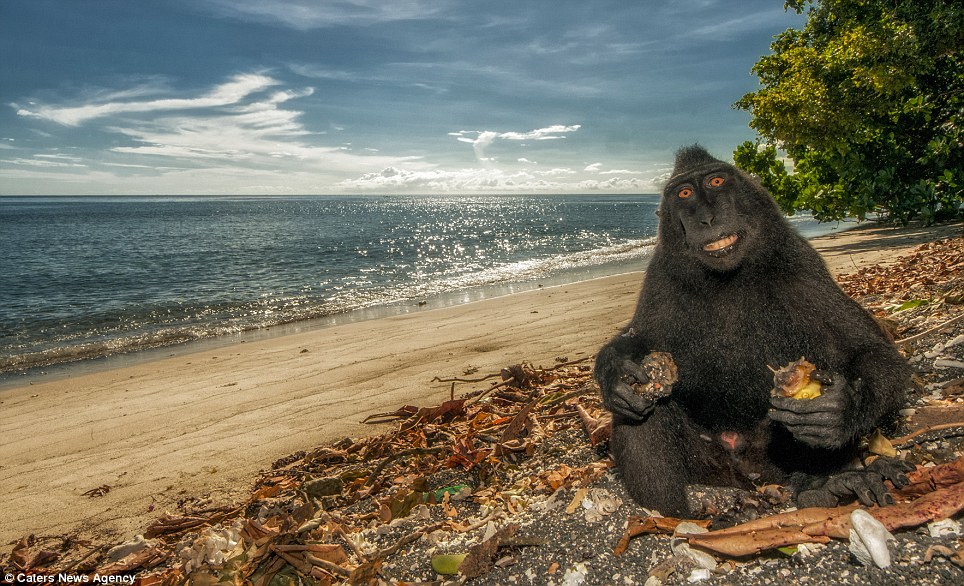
{"x":733,"y":290}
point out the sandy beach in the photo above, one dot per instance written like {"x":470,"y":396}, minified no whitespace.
{"x":204,"y":424}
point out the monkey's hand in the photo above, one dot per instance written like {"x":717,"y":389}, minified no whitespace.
{"x":623,"y":398}
{"x":866,"y":485}
{"x":822,"y":422}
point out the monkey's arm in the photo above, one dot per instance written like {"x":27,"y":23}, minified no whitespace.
{"x":617,"y":367}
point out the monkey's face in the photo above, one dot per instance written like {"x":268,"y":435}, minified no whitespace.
{"x":708,"y":207}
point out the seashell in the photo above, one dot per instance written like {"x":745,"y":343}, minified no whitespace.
{"x":868,"y":539}
{"x":682,"y":548}
{"x":944,"y":527}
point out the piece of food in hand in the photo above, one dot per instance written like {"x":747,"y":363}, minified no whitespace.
{"x":793,"y":381}
{"x":661,"y":374}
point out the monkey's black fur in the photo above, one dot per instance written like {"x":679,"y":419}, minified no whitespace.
{"x":727,"y":308}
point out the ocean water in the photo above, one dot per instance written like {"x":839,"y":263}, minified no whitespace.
{"x":87,"y":277}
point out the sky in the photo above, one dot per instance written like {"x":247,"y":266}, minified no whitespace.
{"x":261,"y":97}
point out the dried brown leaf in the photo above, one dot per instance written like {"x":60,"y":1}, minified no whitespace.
{"x":172,"y":524}
{"x":144,"y":559}
{"x":651,"y":525}
{"x":481,"y":556}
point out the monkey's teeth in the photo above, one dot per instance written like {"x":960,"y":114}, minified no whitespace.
{"x":721,"y":243}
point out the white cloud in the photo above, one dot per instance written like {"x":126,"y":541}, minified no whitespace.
{"x":484,"y":138}
{"x":43,"y":162}
{"x":234,"y":137}
{"x":551,"y":133}
{"x":312,"y":14}
{"x":620,"y":172}
{"x":231,"y":92}
{"x":615,"y":184}
{"x":247,"y":135}
{"x":737,"y":27}
{"x":556,"y":172}
{"x":395,"y":179}
{"x":597,"y":168}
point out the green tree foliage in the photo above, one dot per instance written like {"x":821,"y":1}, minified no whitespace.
{"x":867,"y":101}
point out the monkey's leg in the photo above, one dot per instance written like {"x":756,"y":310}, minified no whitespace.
{"x":659,"y":457}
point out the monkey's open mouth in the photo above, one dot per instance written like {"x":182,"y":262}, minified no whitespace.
{"x":722,"y":246}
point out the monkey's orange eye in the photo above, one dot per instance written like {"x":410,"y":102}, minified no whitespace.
{"x":684,"y":192}
{"x":716,"y":181}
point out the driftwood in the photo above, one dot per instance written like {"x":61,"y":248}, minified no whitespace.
{"x":819,"y":525}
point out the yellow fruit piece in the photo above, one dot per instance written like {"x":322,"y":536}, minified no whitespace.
{"x":809,"y":391}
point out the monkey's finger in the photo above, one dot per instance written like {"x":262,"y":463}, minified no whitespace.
{"x":821,"y":404}
{"x":882,"y":496}
{"x":824,"y":377}
{"x":789,"y":417}
{"x":865,"y":495}
{"x":633,"y":372}
{"x":812,"y":435}
{"x":817,"y":437}
{"x":893,"y":470}
{"x":626,"y":403}
{"x":870,"y":489}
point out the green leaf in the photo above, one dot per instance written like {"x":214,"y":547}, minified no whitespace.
{"x":439,"y":494}
{"x":448,"y":564}
{"x":908,"y":305}
{"x":788,"y":550}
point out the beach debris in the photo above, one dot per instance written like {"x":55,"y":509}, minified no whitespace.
{"x":322,"y":487}
{"x":930,"y":433}
{"x":169,"y":524}
{"x":212,"y":547}
{"x":698,"y":575}
{"x":123,"y":550}
{"x":652,"y":525}
{"x":878,"y":444}
{"x":869,"y":539}
{"x":956,"y":557}
{"x":481,"y":557}
{"x":143,"y":559}
{"x":23,"y":559}
{"x":794,"y":380}
{"x":681,"y":546}
{"x":599,"y":503}
{"x":819,"y":525}
{"x":923,"y":271}
{"x":943,"y":528}
{"x":450,"y":479}
{"x":518,"y":376}
{"x":96,"y":492}
{"x":599,"y":429}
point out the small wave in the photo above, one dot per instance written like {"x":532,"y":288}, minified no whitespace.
{"x":229,"y":319}
{"x":529,"y":270}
